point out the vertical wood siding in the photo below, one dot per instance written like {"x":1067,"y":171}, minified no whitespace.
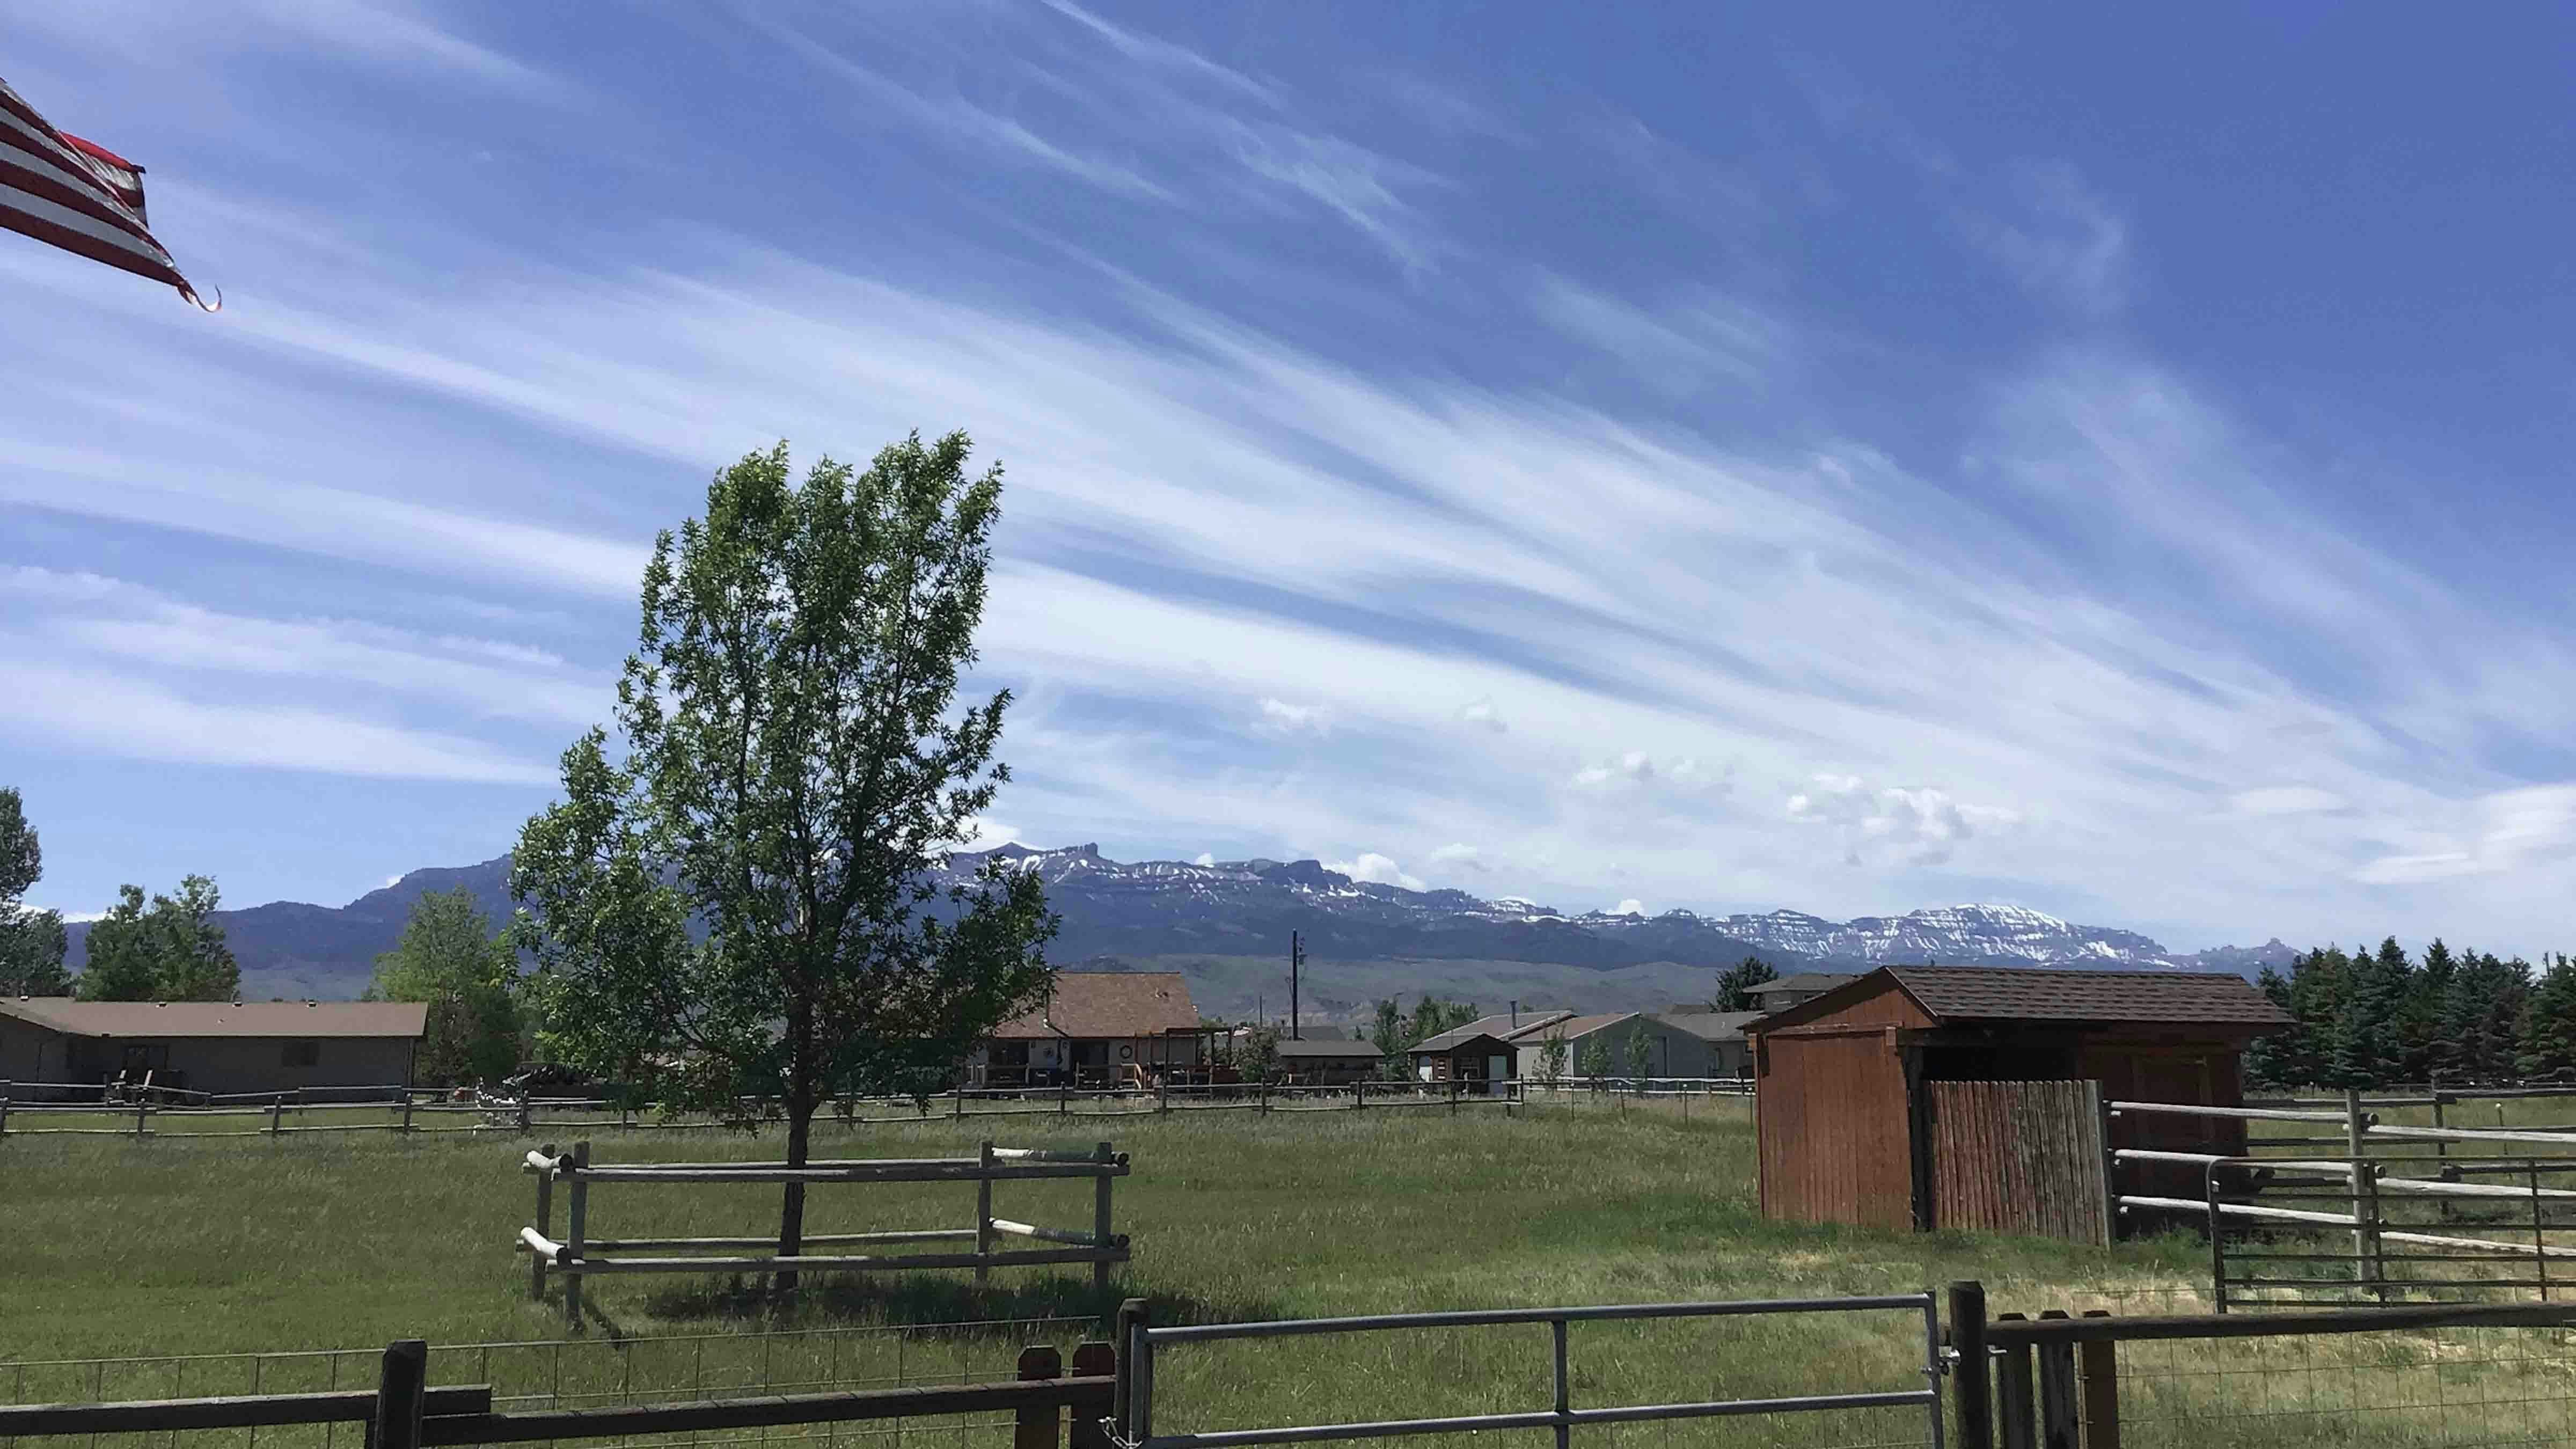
{"x":1833,"y":1130}
{"x":2017,"y":1157}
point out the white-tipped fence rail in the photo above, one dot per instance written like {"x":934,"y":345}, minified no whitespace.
{"x":579,"y":1254}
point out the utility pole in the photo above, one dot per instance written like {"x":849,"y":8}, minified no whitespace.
{"x":1296,"y":959}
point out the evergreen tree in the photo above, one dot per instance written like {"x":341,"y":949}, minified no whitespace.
{"x":2547,"y":1047}
{"x":1735,"y":984}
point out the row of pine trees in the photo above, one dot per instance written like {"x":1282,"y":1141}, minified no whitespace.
{"x":2376,"y":1018}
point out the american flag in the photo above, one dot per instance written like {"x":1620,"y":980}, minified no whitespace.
{"x":75,"y":195}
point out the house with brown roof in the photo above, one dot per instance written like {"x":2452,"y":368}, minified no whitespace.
{"x":207,"y":1046}
{"x":1848,"y":1084}
{"x":1097,"y":1029}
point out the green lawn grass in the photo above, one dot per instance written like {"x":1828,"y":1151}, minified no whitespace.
{"x":178,"y":1247}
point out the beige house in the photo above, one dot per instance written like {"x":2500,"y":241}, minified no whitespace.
{"x":1099,"y":1029}
{"x":207,"y":1046}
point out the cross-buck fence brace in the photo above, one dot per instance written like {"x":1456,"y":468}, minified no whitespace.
{"x":578,"y":1254}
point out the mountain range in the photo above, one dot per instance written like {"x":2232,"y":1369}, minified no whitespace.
{"x":1186,"y":915}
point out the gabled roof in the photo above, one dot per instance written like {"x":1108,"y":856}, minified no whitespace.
{"x":1450,"y":1042}
{"x":1574,"y":1027}
{"x":1810,"y":981}
{"x":1107,"y":1004}
{"x":1499,"y":1026}
{"x":1710,"y":1025}
{"x":1337,"y":1050}
{"x":1953,"y":994}
{"x":157,"y":1020}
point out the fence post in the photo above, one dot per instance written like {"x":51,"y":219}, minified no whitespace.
{"x":984,"y":1210}
{"x":1091,"y":1413}
{"x":1064,"y":1093}
{"x":1163,"y":1090}
{"x":527,"y":1114}
{"x":960,"y":1113}
{"x":1035,"y":1426}
{"x":1265,"y":1096}
{"x":2097,"y":1371}
{"x":1127,"y":1334}
{"x":1564,"y":1384}
{"x":2012,"y":1391}
{"x":276,"y":1114}
{"x":576,"y":1219}
{"x":401,"y":1391}
{"x":4,"y":1116}
{"x":545,"y":1229}
{"x":2056,"y":1391}
{"x":2365,"y":1198}
{"x":1973,"y":1386}
{"x":406,"y":1121}
{"x":142,"y":1110}
{"x":1100,"y":1214}
{"x":2110,"y":1164}
{"x":2539,"y":1230}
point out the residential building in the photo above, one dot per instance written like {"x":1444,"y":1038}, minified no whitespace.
{"x":207,"y":1046}
{"x":1728,"y":1053}
{"x":1672,"y":1050}
{"x":1328,"y":1061}
{"x":1098,"y":1029}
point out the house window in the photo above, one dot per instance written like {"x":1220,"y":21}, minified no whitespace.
{"x":304,"y":1054}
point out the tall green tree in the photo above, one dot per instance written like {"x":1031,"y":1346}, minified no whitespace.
{"x":1592,"y":1059}
{"x":171,"y":950}
{"x":1735,"y":984}
{"x":31,"y":942}
{"x":744,"y":900}
{"x":2547,"y":1045}
{"x":450,"y":958}
{"x":1551,"y":1056}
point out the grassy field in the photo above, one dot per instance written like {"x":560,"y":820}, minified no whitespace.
{"x":177,"y":1247}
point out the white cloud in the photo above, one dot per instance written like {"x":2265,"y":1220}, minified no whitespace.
{"x":1918,"y":826}
{"x":2508,"y":832}
{"x":1481,"y":713}
{"x":1371,"y":866}
{"x":1629,"y":907}
{"x":2059,"y":237}
{"x":1204,"y":857}
{"x":1278,"y":717}
{"x":983,"y":833}
{"x":2286,"y":800}
{"x":1461,"y":855}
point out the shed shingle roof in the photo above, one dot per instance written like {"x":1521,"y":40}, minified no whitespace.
{"x":2012,"y":993}
{"x":302,"y":1020}
{"x":1108,"y":1004}
{"x":1810,"y":981}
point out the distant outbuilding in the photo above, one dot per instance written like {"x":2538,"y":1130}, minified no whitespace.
{"x":1865,"y":1115}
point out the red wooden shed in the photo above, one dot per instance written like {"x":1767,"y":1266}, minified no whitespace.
{"x":1849,"y":1095}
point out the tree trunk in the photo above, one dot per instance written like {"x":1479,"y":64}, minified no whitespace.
{"x":800,"y":1143}
{"x":791,"y":1213}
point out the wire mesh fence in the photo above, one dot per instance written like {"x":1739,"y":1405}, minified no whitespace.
{"x":2449,"y":1388}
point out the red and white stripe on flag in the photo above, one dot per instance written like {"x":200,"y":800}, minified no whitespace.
{"x":75,"y":195}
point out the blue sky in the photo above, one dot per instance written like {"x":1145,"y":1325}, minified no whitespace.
{"x":1702,"y":456}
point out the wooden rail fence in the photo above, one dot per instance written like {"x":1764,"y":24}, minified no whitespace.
{"x":1048,"y":1408}
{"x":579,"y":1254}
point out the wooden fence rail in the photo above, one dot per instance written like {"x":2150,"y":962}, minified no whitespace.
{"x":403,"y":1413}
{"x":578,"y":1254}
